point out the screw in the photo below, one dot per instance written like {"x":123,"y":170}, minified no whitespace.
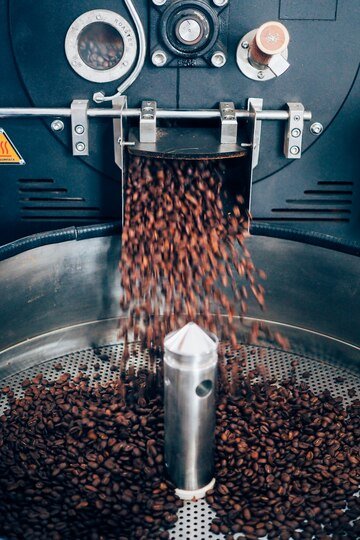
{"x":294,"y":150}
{"x":220,"y":3}
{"x":218,"y":59}
{"x":245,"y":44}
{"x":80,"y":146}
{"x":260,"y":75}
{"x":57,"y":125}
{"x":296,"y":117}
{"x":159,"y":2}
{"x":159,"y":58}
{"x":79,"y":129}
{"x":296,"y":132}
{"x":316,"y":128}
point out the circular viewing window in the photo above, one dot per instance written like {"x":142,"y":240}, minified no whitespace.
{"x":100,"y":46}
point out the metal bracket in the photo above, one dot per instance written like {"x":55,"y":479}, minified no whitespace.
{"x":119,"y":103}
{"x":278,"y":64}
{"x":254,"y":105}
{"x":147,"y":126}
{"x":80,"y":127}
{"x":294,"y":131}
{"x":229,"y":125}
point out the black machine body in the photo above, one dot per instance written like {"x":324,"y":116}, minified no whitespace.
{"x":242,"y":85}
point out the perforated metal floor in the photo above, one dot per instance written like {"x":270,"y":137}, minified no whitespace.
{"x":194,"y":518}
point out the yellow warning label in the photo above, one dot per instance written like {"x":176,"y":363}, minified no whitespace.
{"x":8,"y":153}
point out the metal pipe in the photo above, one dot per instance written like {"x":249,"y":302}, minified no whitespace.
{"x":100,"y":97}
{"x":190,"y":365}
{"x":204,"y":114}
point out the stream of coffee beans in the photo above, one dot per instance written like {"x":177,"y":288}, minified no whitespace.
{"x":183,"y":258}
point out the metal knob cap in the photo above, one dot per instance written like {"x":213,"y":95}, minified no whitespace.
{"x":272,"y":38}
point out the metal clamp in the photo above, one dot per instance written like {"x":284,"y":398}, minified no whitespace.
{"x":229,"y":125}
{"x":254,"y":106}
{"x":294,"y":131}
{"x":80,"y":127}
{"x":147,"y":127}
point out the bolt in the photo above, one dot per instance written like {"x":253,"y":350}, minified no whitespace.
{"x":218,"y":59}
{"x":57,"y":125}
{"x":260,"y":75}
{"x":159,"y":58}
{"x":245,"y":44}
{"x":220,"y":3}
{"x":80,"y":146}
{"x":296,"y":132}
{"x":296,"y":117}
{"x":159,"y":2}
{"x":316,"y":128}
{"x":79,"y":129}
{"x":294,"y":150}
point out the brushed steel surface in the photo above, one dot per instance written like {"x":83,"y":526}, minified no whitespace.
{"x":58,"y":286}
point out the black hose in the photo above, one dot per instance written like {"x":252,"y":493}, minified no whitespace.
{"x":55,"y":237}
{"x":108,"y":229}
{"x":306,"y":237}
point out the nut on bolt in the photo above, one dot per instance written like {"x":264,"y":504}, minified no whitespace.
{"x":218,"y":59}
{"x":159,"y":58}
{"x":79,"y":129}
{"x":294,"y":150}
{"x":220,"y":3}
{"x":159,"y":2}
{"x":80,"y":147}
{"x":316,"y":128}
{"x":57,"y":125}
{"x":296,"y":132}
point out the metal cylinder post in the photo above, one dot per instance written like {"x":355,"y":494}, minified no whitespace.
{"x":190,"y":368}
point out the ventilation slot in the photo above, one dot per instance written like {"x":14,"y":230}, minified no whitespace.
{"x":40,"y":199}
{"x":36,"y":181}
{"x":328,"y":201}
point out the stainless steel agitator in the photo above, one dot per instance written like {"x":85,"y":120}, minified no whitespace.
{"x":190,"y":367}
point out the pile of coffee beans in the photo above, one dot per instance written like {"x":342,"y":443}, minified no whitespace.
{"x":183,"y":258}
{"x":85,"y":462}
{"x":100,"y":46}
{"x":287,"y":461}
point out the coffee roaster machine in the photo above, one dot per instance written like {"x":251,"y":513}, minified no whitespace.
{"x":268,"y":86}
